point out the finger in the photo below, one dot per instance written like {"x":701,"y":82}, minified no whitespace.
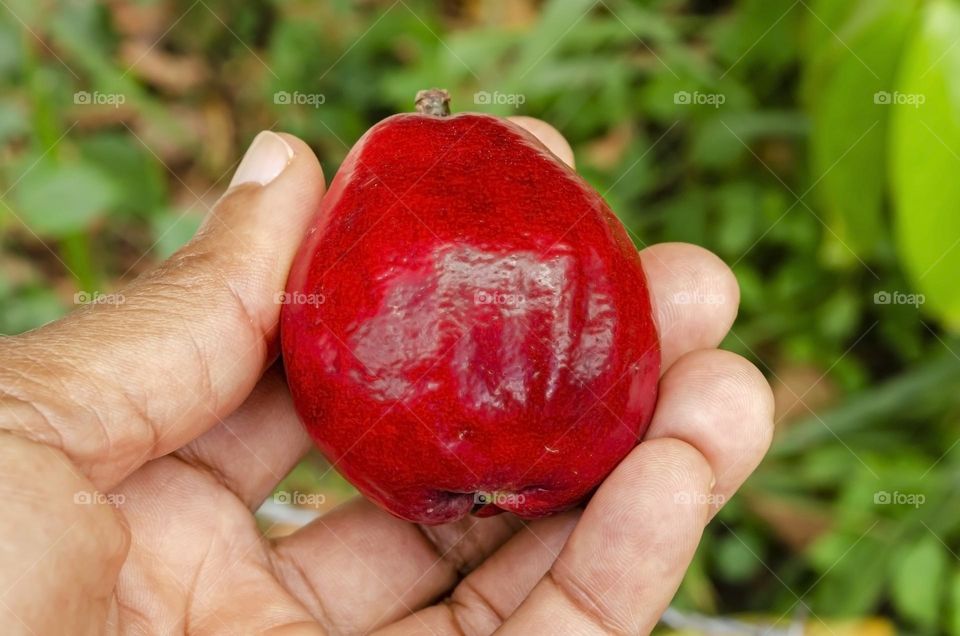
{"x":187,"y":343}
{"x":380,"y":567}
{"x":483,"y":600}
{"x":256,"y":446}
{"x":671,"y":269}
{"x":624,"y":561}
{"x":722,"y":405}
{"x":548,"y":136}
{"x":695,"y":297}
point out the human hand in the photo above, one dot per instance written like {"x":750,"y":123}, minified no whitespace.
{"x":170,"y":403}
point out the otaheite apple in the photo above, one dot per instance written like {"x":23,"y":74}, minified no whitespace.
{"x":481,"y":336}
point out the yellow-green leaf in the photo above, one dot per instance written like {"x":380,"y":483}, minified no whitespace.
{"x":918,"y":573}
{"x":925,"y":160}
{"x":847,"y":86}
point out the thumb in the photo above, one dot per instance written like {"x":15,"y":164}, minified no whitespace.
{"x":114,"y":386}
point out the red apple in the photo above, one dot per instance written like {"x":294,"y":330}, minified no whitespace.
{"x":467,"y":325}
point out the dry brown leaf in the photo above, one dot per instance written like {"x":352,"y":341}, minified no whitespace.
{"x":218,"y":152}
{"x":161,"y":141}
{"x":96,"y":116}
{"x":864,"y":627}
{"x":520,"y":14}
{"x":18,"y":271}
{"x":752,"y":623}
{"x":175,"y":74}
{"x":196,"y":193}
{"x":800,"y":391}
{"x":145,"y":20}
{"x":796,"y":524}
{"x":607,"y":152}
{"x":778,"y":155}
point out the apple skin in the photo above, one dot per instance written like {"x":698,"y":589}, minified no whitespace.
{"x":466,"y":315}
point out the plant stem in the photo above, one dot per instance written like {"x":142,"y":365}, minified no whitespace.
{"x":433,"y":101}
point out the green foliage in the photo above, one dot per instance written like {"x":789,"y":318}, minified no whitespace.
{"x":879,"y":81}
{"x":954,"y":602}
{"x":925,"y":160}
{"x":848,"y":77}
{"x":57,"y":200}
{"x":918,"y":579}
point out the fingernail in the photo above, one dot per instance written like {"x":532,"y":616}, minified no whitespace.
{"x":264,"y":160}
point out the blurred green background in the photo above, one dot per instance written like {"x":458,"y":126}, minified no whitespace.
{"x":813,"y":144}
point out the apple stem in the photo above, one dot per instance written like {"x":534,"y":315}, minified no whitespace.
{"x":433,"y":101}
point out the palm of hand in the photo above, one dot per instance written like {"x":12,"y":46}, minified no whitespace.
{"x":171,"y":403}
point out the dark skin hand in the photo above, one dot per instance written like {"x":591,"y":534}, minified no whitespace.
{"x":138,"y":437}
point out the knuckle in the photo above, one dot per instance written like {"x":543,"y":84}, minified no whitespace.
{"x":473,"y":610}
{"x":229,"y":211}
{"x":36,"y":401}
{"x":580,"y":596}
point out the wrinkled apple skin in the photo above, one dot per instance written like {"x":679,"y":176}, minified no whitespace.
{"x":466,"y":315}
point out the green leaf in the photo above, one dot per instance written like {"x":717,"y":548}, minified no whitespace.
{"x":738,"y":205}
{"x":838,"y":317}
{"x":852,"y":565}
{"x":925,"y":161}
{"x":762,"y":38}
{"x":544,"y":42}
{"x":918,"y":573}
{"x":722,"y":141}
{"x":10,"y":52}
{"x":139,"y":175}
{"x":845,"y":80}
{"x":172,"y":229}
{"x":739,"y":556}
{"x":825,"y":18}
{"x":954,"y":595}
{"x":28,"y":309}
{"x":685,"y":217}
{"x":696,"y":589}
{"x":13,"y":120}
{"x":55,"y":200}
